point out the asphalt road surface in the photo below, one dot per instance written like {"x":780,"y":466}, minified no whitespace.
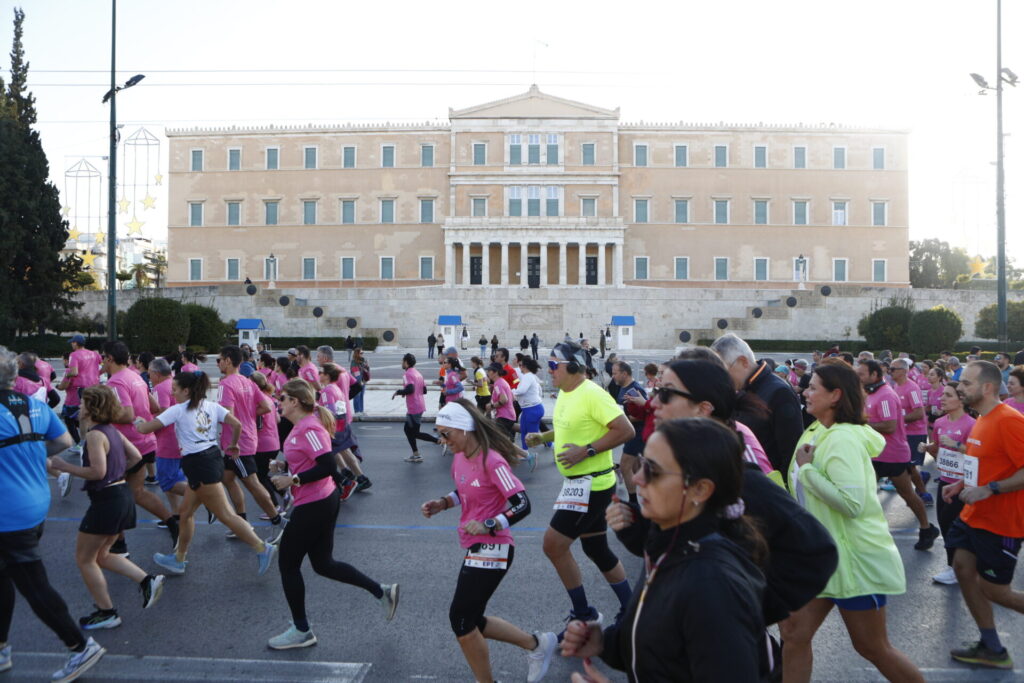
{"x":213,"y":623}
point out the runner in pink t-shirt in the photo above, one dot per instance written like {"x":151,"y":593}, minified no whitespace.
{"x":501,"y":399}
{"x":83,"y":371}
{"x":45,"y":372}
{"x":344,"y":441}
{"x":268,"y":439}
{"x":310,"y":530}
{"x":169,"y":476}
{"x":492,"y":500}
{"x":915,"y":419}
{"x":1015,"y":387}
{"x":413,"y":390}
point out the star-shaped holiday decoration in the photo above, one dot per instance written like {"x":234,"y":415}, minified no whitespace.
{"x":977,"y":265}
{"x":73,"y":233}
{"x":159,"y":179}
{"x":66,"y":210}
{"x":122,"y":206}
{"x":148,"y":202}
{"x":135,"y":226}
{"x":88,"y":258}
{"x":101,"y":238}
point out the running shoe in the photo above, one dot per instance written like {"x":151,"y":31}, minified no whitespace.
{"x":276,"y":531}
{"x":5,"y":658}
{"x":926,"y":537}
{"x":292,"y":638}
{"x":539,"y":658}
{"x":150,"y":481}
{"x":210,"y":517}
{"x":415,"y":458}
{"x":75,"y":450}
{"x":592,"y":617}
{"x":161,"y":524}
{"x":947,"y":576}
{"x":362,"y":483}
{"x":977,"y":653}
{"x":265,"y":517}
{"x":348,"y":488}
{"x":389,"y":599}
{"x":926,"y":476}
{"x":79,"y":662}
{"x":120,"y":547}
{"x":170,"y":562}
{"x":264,"y":558}
{"x":152,"y":588}
{"x":531,"y":460}
{"x":100,"y":619}
{"x":927,"y":499}
{"x":230,"y":534}
{"x":886,"y":485}
{"x":64,"y":484}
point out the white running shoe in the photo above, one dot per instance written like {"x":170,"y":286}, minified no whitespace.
{"x":540,"y":657}
{"x":79,"y":662}
{"x":292,"y":638}
{"x":64,"y":484}
{"x":947,"y":576}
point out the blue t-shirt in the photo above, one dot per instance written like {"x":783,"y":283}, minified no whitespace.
{"x":24,"y":489}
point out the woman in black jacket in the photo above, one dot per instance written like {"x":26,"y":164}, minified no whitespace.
{"x":697,"y":616}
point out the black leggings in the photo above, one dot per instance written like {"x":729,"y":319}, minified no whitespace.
{"x":946,"y":513}
{"x":310,"y":531}
{"x":412,"y":431}
{"x":31,"y":581}
{"x":475,"y":587}
{"x":263,"y":473}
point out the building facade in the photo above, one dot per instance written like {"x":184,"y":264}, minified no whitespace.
{"x":537,"y":191}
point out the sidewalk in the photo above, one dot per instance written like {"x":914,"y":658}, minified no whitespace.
{"x":380,"y":407}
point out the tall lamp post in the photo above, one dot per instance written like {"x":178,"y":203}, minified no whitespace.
{"x":111,"y":96}
{"x":1002,"y":75}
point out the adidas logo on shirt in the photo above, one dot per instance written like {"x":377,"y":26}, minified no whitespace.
{"x":294,"y":441}
{"x":476,"y":482}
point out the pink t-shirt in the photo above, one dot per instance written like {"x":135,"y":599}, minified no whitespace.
{"x":36,"y":390}
{"x":308,"y":440}
{"x":884,"y":405}
{"x":754,"y":452}
{"x":453,"y":386}
{"x":166,"y":441}
{"x":189,"y":367}
{"x":267,"y":438}
{"x":343,"y":384}
{"x":498,"y":389}
{"x":45,"y":370}
{"x":331,"y":398}
{"x":133,"y":391}
{"x":414,"y":403}
{"x":483,"y":494}
{"x":911,"y":400}
{"x":241,"y":396}
{"x":1015,"y":404}
{"x":932,"y":399}
{"x":310,"y":373}
{"x":88,"y":365}
{"x":958,"y":431}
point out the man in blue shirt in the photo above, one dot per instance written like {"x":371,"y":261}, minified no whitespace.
{"x":31,"y":433}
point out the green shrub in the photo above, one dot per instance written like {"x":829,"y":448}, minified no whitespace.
{"x":886,"y":328}
{"x":934,"y":330}
{"x":986,"y":326}
{"x":43,"y":345}
{"x":156,"y":324}
{"x":206,"y":330}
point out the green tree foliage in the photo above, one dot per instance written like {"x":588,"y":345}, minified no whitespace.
{"x":886,"y":328}
{"x":934,"y":265}
{"x":206,"y":329}
{"x":35,"y":281}
{"x":155,"y":324}
{"x":935,"y":329}
{"x":985,"y":327}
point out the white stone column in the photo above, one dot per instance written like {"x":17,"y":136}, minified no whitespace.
{"x":602,"y":279}
{"x":562,"y":263}
{"x":465,"y":263}
{"x":617,"y":263}
{"x":582,"y":278}
{"x":504,"y":264}
{"x":449,"y":264}
{"x":485,"y":269}
{"x":524,"y":264}
{"x":544,"y":263}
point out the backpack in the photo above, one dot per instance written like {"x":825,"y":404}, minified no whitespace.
{"x":18,"y":406}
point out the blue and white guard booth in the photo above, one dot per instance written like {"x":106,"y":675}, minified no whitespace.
{"x":451,"y":329}
{"x":249,"y":330}
{"x":623,"y":335}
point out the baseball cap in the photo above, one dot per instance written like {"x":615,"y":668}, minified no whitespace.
{"x":800,"y":362}
{"x":293,"y":351}
{"x":77,"y":339}
{"x":451,"y":350}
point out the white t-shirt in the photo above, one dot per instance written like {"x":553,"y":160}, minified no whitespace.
{"x":196,"y":429}
{"x":528,"y":393}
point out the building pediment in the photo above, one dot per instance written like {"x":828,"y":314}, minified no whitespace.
{"x":534,"y":104}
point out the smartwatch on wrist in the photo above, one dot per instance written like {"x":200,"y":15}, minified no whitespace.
{"x":491,"y":525}
{"x":591,"y":451}
{"x":295,"y":480}
{"x":993,"y":486}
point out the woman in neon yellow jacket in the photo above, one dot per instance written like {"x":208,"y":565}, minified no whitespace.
{"x":832,"y":477}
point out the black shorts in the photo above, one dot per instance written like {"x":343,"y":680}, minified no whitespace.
{"x":146,"y":457}
{"x":482,"y":401}
{"x":890,"y":469}
{"x":576,"y":524}
{"x":242,"y":465}
{"x":204,"y":467}
{"x":111,"y":511}
{"x":343,"y":439}
{"x":996,"y":555}
{"x":635,"y":446}
{"x":19,"y":547}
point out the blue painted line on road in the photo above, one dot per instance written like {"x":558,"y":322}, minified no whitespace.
{"x":386,"y":527}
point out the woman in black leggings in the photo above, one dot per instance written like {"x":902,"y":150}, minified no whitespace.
{"x":310,"y":531}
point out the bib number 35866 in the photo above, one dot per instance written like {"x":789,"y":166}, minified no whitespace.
{"x":488,"y":556}
{"x":575,"y":495}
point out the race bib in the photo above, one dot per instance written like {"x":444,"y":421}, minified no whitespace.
{"x":951,"y":463}
{"x":575,"y":495}
{"x":339,"y":408}
{"x":488,"y":556}
{"x":970,"y":470}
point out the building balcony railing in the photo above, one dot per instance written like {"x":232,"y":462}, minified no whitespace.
{"x":498,"y":222}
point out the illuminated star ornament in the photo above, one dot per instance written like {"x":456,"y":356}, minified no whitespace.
{"x":148,"y":202}
{"x":158,"y":179}
{"x":73,"y":233}
{"x":135,"y":226}
{"x":977,"y":265}
{"x":122,"y":206}
{"x":87,"y":259}
{"x":101,"y":238}
{"x":66,"y":210}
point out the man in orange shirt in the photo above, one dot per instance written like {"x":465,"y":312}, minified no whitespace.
{"x":988,"y":534}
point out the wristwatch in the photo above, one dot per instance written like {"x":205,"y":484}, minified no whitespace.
{"x":591,"y":451}
{"x":491,"y":525}
{"x":295,"y":480}
{"x":993,"y":486}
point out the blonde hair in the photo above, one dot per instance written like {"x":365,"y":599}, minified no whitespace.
{"x":303,"y":392}
{"x":260,"y":380}
{"x":101,"y":403}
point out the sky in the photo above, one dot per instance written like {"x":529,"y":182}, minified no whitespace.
{"x":900,"y":64}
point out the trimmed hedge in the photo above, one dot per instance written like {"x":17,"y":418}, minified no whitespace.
{"x":934,"y":330}
{"x":337,"y":343}
{"x":886,"y":328}
{"x":156,"y":324}
{"x":986,"y":323}
{"x":206,"y":330}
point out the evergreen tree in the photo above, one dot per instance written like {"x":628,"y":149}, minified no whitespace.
{"x":33,"y":275}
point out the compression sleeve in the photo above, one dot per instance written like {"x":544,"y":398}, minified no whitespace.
{"x":325,"y":467}
{"x":519,"y":507}
{"x":407,"y":390}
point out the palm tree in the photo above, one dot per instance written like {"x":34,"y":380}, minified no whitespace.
{"x":140,"y":273}
{"x":156,"y":265}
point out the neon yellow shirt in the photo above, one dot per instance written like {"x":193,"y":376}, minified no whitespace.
{"x":582,"y":417}
{"x":480,"y":376}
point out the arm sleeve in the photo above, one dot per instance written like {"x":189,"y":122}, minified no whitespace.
{"x":612,"y":653}
{"x":519,"y":508}
{"x":634,"y":535}
{"x":840,"y":485}
{"x":406,"y":390}
{"x":325,"y":467}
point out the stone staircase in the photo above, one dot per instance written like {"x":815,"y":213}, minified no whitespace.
{"x":771,"y":309}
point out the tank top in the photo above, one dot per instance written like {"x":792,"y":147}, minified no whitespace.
{"x":115,"y":458}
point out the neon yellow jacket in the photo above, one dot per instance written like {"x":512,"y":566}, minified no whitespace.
{"x":839,"y":489}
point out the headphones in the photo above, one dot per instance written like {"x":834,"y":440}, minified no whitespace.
{"x":568,"y":351}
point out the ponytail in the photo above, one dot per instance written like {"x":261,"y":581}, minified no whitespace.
{"x":303,"y":392}
{"x":326,"y":419}
{"x":197,"y":384}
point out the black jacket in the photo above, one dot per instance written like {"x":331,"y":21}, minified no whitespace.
{"x":700,"y":619}
{"x":781,"y":429}
{"x":801,"y":553}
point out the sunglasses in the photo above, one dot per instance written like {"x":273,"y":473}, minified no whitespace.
{"x":651,"y":472}
{"x":665,"y":394}
{"x":553,"y":364}
{"x":443,"y":435}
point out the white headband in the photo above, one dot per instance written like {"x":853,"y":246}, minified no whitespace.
{"x":454,"y":415}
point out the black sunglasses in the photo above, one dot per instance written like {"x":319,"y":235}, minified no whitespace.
{"x":649,"y":471}
{"x":665,"y":394}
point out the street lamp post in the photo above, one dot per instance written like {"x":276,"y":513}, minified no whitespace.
{"x":112,"y":178}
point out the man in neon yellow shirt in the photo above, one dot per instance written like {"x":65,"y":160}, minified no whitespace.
{"x":588,"y":424}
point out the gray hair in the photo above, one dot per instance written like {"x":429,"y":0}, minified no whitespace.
{"x":8,"y":368}
{"x":866,"y":355}
{"x":27,"y":359}
{"x":327,"y":351}
{"x":902,"y":363}
{"x":731,"y":348}
{"x":702,"y":353}
{"x":160,"y":366}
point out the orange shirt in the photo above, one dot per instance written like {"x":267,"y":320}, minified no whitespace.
{"x":995,"y":451}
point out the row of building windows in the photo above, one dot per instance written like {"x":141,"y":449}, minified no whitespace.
{"x":537,"y":153}
{"x":544,"y":201}
{"x":309,"y":270}
{"x":762,"y":269}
